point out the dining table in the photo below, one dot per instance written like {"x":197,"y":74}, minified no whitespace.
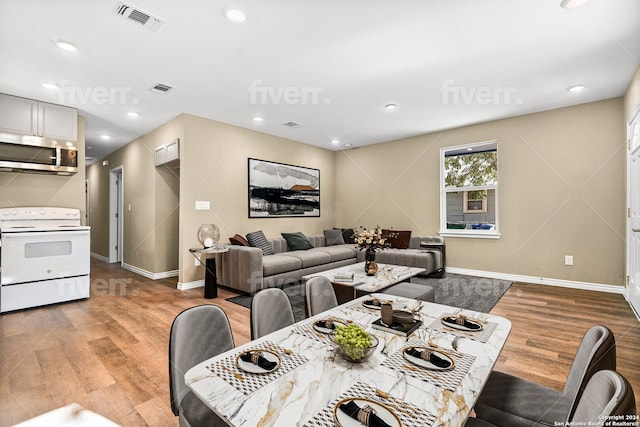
{"x":312,"y":380}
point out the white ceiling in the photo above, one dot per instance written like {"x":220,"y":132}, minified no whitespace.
{"x":329,"y":65}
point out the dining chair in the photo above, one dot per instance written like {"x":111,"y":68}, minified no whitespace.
{"x":607,"y":394}
{"x":511,"y":401}
{"x":197,"y":334}
{"x":320,"y":295}
{"x":270,"y":311}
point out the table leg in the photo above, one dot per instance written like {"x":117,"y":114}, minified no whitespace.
{"x":210,"y":279}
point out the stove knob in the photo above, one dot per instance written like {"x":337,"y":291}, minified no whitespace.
{"x":6,"y":213}
{"x":14,"y":212}
{"x":43,"y":212}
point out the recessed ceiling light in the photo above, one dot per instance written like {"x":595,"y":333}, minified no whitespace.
{"x":572,"y":4}
{"x":576,"y":88}
{"x":347,"y":145}
{"x":105,"y":137}
{"x":335,"y":141}
{"x":469,"y":149}
{"x":132,"y":114}
{"x":391,"y":106}
{"x":51,"y":86}
{"x":69,"y":47}
{"x":257,"y":119}
{"x":234,"y":14}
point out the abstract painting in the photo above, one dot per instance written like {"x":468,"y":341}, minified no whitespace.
{"x":279,"y":190}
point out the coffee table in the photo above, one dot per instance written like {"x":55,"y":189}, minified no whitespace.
{"x":388,"y":274}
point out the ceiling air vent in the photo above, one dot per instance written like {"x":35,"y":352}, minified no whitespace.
{"x":291,"y":124}
{"x":161,"y":88}
{"x":133,"y":13}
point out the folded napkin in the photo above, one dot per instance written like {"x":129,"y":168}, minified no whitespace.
{"x":375,"y":302}
{"x":462,"y":321}
{"x":429,"y":356}
{"x":327,"y":324}
{"x":366,"y":416}
{"x":258,"y":359}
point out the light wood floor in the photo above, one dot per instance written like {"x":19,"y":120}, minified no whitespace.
{"x":109,"y":353}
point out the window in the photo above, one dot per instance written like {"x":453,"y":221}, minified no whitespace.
{"x":469,"y":190}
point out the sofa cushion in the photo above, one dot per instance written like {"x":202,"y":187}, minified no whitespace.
{"x":258,"y":240}
{"x":347,"y":235}
{"x":408,"y":257}
{"x":239,"y":240}
{"x":297,"y":241}
{"x":310,"y":258}
{"x":339,"y":253}
{"x":276,"y":264}
{"x":333,"y":237}
{"x":398,"y":239}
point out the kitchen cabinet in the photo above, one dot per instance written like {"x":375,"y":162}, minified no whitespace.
{"x":30,"y":117}
{"x":168,"y":154}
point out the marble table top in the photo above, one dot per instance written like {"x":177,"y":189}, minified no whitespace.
{"x":313,"y":377}
{"x":387,"y":275}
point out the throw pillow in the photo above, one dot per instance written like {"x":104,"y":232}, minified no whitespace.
{"x":400,"y":240}
{"x":347,"y":235}
{"x":297,"y":241}
{"x":258,"y":240}
{"x":238,"y":240}
{"x":333,"y":237}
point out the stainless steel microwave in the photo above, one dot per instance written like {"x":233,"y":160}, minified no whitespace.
{"x":38,"y":156}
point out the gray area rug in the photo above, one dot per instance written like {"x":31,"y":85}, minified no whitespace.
{"x":473,"y":293}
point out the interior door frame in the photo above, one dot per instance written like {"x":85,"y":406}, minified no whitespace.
{"x":116,"y":201}
{"x":628,"y":226}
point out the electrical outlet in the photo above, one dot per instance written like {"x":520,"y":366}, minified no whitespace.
{"x":568,"y":260}
{"x":196,"y":262}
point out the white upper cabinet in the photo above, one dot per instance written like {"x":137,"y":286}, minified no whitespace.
{"x":29,"y":117}
{"x":168,"y":154}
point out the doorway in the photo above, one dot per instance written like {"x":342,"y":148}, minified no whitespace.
{"x":116,"y":196}
{"x":633,"y":213}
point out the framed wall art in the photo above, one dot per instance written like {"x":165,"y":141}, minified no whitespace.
{"x":279,"y":190}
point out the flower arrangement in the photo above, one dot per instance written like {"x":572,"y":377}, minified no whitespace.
{"x":372,"y":240}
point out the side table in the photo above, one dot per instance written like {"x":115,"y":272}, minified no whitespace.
{"x":210,"y":278}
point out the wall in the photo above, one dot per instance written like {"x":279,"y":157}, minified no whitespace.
{"x":562,"y":191}
{"x":216,"y":155}
{"x":632,"y":97}
{"x":26,"y":189}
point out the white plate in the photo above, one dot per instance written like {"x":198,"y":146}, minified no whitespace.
{"x":461,"y":327}
{"x":255,"y":369}
{"x":370,"y":306}
{"x":426,"y":364}
{"x":327,"y":330}
{"x":344,"y":420}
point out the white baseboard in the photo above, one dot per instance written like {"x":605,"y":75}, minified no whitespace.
{"x":100,"y":257}
{"x":148,"y":274}
{"x":587,"y":286}
{"x":183,"y":286}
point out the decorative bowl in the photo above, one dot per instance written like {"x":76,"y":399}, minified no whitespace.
{"x":356,"y":355}
{"x":403,"y":317}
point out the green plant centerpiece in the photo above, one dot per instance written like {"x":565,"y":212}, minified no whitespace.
{"x":354,"y":343}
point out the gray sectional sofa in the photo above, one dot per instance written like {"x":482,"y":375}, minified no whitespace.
{"x":246,"y":269}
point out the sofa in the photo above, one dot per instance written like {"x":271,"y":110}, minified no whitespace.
{"x":246,"y":269}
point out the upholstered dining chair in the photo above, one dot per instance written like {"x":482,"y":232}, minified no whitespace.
{"x":197,"y":334}
{"x":270,"y":311}
{"x":510,"y":401}
{"x":320,"y":295}
{"x":607,"y":394}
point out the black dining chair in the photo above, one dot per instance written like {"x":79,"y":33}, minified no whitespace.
{"x":270,"y":311}
{"x":607,"y":394}
{"x":510,"y":401}
{"x":320,"y":295}
{"x":197,"y":334}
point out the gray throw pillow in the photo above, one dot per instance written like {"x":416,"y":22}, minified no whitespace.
{"x":333,"y":237}
{"x":258,"y":240}
{"x":297,"y":241}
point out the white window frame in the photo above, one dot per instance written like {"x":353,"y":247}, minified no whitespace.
{"x":476,"y":234}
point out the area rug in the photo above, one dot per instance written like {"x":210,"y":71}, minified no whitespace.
{"x":473,"y":293}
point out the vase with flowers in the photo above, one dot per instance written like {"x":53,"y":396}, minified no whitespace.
{"x":371,"y":241}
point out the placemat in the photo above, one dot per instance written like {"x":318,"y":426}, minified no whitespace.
{"x":410,"y":415}
{"x":252,"y":382}
{"x":307,"y":330}
{"x":357,"y":306}
{"x":449,"y":379}
{"x":481,"y":336}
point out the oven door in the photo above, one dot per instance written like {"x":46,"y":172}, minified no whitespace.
{"x":43,"y":255}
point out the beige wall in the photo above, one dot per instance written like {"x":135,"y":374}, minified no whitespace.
{"x":26,"y":189}
{"x":214,"y":167}
{"x":632,"y":97}
{"x":562,"y":192}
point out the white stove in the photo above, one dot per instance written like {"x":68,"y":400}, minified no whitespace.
{"x":44,"y":257}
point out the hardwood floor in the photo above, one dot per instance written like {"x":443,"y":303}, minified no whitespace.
{"x":109,"y":353}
